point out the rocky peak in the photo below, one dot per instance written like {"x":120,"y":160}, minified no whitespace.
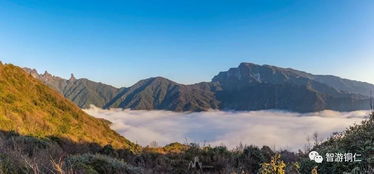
{"x":33,"y":72}
{"x":72,"y":77}
{"x":46,"y":76}
{"x":248,"y":65}
{"x":247,"y":74}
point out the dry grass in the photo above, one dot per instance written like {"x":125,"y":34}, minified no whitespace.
{"x":31,"y":108}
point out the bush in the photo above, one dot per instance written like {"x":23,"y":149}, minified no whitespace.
{"x":11,"y":164}
{"x":275,"y":166}
{"x":97,"y":163}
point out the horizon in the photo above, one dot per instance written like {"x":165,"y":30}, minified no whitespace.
{"x":119,"y":43}
{"x":73,"y":74}
{"x":41,"y":72}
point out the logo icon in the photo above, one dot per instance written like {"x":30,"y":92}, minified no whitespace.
{"x":314,"y":156}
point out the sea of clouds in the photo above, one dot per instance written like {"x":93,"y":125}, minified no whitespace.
{"x":277,"y":129}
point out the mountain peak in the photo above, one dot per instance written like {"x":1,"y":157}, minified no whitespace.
{"x":47,"y":76}
{"x":253,"y":73}
{"x":46,"y":73}
{"x":157,"y":79}
{"x":247,"y":64}
{"x":72,"y":77}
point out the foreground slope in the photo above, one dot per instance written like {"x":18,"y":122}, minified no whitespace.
{"x":27,"y":106}
{"x":357,"y":139}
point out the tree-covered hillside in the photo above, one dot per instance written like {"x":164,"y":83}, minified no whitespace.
{"x":357,"y":139}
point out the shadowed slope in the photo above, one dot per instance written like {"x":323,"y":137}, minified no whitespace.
{"x":246,"y":87}
{"x":84,"y":92}
{"x":257,"y":87}
{"x":164,"y":94}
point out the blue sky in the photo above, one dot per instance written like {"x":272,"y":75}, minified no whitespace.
{"x":121,"y":42}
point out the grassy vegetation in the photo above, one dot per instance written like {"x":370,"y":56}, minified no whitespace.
{"x":357,"y":139}
{"x":29,"y":107}
{"x":28,"y":154}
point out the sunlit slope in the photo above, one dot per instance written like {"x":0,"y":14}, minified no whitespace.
{"x":30,"y":107}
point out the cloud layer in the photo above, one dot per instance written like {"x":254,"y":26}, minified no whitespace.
{"x":277,"y":129}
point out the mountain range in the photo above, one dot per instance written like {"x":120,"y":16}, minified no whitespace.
{"x":82,"y":92}
{"x":246,"y":87}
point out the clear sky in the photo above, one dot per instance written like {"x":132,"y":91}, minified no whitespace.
{"x":121,"y":42}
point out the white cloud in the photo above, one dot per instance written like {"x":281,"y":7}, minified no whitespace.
{"x":273,"y":128}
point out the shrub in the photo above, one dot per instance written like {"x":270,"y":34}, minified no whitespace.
{"x":275,"y":166}
{"x":10,"y":164}
{"x":97,"y":163}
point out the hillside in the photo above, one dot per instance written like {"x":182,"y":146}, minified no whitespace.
{"x":249,"y":73}
{"x":29,"y":107}
{"x":352,"y":86}
{"x":357,"y":139}
{"x":160,"y":93}
{"x":82,"y":92}
{"x":256,"y":87}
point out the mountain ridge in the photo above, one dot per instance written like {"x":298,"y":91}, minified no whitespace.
{"x":246,"y":87}
{"x":82,"y":92}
